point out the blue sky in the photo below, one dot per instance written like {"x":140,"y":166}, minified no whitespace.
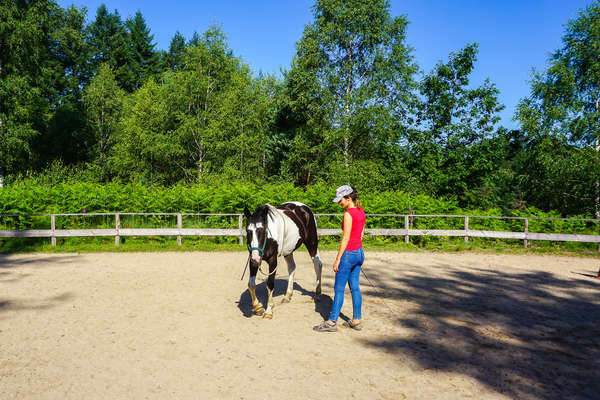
{"x":514,"y":36}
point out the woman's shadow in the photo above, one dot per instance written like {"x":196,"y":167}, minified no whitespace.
{"x":322,"y":303}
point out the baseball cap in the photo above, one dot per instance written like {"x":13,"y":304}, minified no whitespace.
{"x":342,"y":191}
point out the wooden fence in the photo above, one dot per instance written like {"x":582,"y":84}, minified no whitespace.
{"x":404,"y":221}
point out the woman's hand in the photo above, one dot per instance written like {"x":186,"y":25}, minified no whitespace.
{"x":336,"y":264}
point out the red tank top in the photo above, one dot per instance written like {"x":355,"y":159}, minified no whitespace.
{"x":358,"y":224}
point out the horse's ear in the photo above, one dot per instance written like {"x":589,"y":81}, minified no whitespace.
{"x":246,"y":212}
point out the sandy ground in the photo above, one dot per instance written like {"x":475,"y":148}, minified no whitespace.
{"x":179,"y":326}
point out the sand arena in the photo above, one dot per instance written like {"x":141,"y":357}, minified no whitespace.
{"x":180,"y":326}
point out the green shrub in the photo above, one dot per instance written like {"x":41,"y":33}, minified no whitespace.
{"x":29,"y":196}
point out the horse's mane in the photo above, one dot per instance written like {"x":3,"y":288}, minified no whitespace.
{"x":264,"y":211}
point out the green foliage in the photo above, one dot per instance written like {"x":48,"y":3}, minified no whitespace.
{"x":40,"y":68}
{"x":207,"y":117}
{"x":349,"y":88}
{"x":564,"y":98}
{"x":59,"y":193}
{"x":108,"y":37}
{"x":145,"y":60}
{"x":95,"y":101}
{"x":103,"y":101}
{"x":173,"y":59}
{"x":65,"y":195}
{"x":560,"y":121}
{"x":452,"y":148}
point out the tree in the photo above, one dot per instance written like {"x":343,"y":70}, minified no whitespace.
{"x":564,"y":103}
{"x":197,"y":39}
{"x":353,"y":57}
{"x":452,"y":121}
{"x":18,"y":95}
{"x":109,"y":40}
{"x":144,"y":60}
{"x":197,"y":95}
{"x":173,"y":59}
{"x":42,"y":58}
{"x":303,"y":118}
{"x":208,"y":117}
{"x":103,"y":102}
{"x":552,"y":174}
{"x":146,"y":149}
{"x":64,"y":75}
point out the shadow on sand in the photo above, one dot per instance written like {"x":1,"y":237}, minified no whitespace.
{"x":322,"y":305}
{"x":8,"y":262}
{"x":9,"y":265}
{"x":10,"y":273}
{"x":525,"y":335}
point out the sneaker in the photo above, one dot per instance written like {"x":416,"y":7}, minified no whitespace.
{"x":349,"y":324}
{"x":325,"y":327}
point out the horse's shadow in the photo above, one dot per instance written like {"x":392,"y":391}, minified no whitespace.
{"x":322,"y":304}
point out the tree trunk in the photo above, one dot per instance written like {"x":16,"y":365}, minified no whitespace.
{"x":1,"y":138}
{"x":200,"y":162}
{"x":242,"y":147}
{"x":597,"y":147}
{"x":347,"y":110}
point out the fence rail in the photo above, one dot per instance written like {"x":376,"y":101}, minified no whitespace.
{"x":407,"y":230}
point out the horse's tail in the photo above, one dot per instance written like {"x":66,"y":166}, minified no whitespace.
{"x":312,"y":237}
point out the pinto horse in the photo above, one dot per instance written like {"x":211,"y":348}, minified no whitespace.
{"x":272,"y":232}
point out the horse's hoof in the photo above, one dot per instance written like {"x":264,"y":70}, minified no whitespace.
{"x":286,"y":299}
{"x":268,"y":316}
{"x":259,"y":311}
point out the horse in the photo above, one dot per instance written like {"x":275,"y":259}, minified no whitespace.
{"x":278,"y":231}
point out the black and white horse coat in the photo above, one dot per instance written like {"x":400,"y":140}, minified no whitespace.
{"x":273,"y":232}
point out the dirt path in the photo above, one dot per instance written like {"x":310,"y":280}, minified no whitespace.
{"x":179,"y":325}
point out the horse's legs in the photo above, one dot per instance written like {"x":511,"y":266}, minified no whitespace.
{"x":270,"y":286}
{"x":318,"y":269}
{"x":256,"y":306}
{"x":291,"y":271}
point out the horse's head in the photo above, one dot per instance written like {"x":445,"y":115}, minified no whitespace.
{"x":256,"y":232}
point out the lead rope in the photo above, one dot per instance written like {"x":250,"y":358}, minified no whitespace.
{"x":381,"y":292}
{"x":270,"y":273}
{"x":246,"y":267}
{"x":262,"y":251}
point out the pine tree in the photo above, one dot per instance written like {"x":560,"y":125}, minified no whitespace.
{"x":175,"y":56}
{"x":109,"y":40}
{"x":144,"y":60}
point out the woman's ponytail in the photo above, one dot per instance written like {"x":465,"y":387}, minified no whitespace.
{"x":354,"y":197}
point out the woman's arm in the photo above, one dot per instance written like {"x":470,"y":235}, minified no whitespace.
{"x":345,"y":239}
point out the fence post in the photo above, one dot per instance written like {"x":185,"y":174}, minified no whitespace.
{"x":466,"y":228}
{"x":53,"y":227}
{"x":526,"y":231}
{"x":117,"y":227}
{"x":240,"y":224}
{"x":179,"y":228}
{"x":406,"y":237}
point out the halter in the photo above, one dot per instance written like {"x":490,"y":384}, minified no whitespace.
{"x":261,"y":250}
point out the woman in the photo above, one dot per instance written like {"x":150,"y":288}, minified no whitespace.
{"x":349,"y":260}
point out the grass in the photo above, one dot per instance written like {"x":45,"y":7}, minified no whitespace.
{"x":417,"y":244}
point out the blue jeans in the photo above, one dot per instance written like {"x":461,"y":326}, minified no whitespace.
{"x":348,"y":271}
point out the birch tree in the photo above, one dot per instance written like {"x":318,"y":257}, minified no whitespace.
{"x":356,"y":52}
{"x":565,"y":98}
